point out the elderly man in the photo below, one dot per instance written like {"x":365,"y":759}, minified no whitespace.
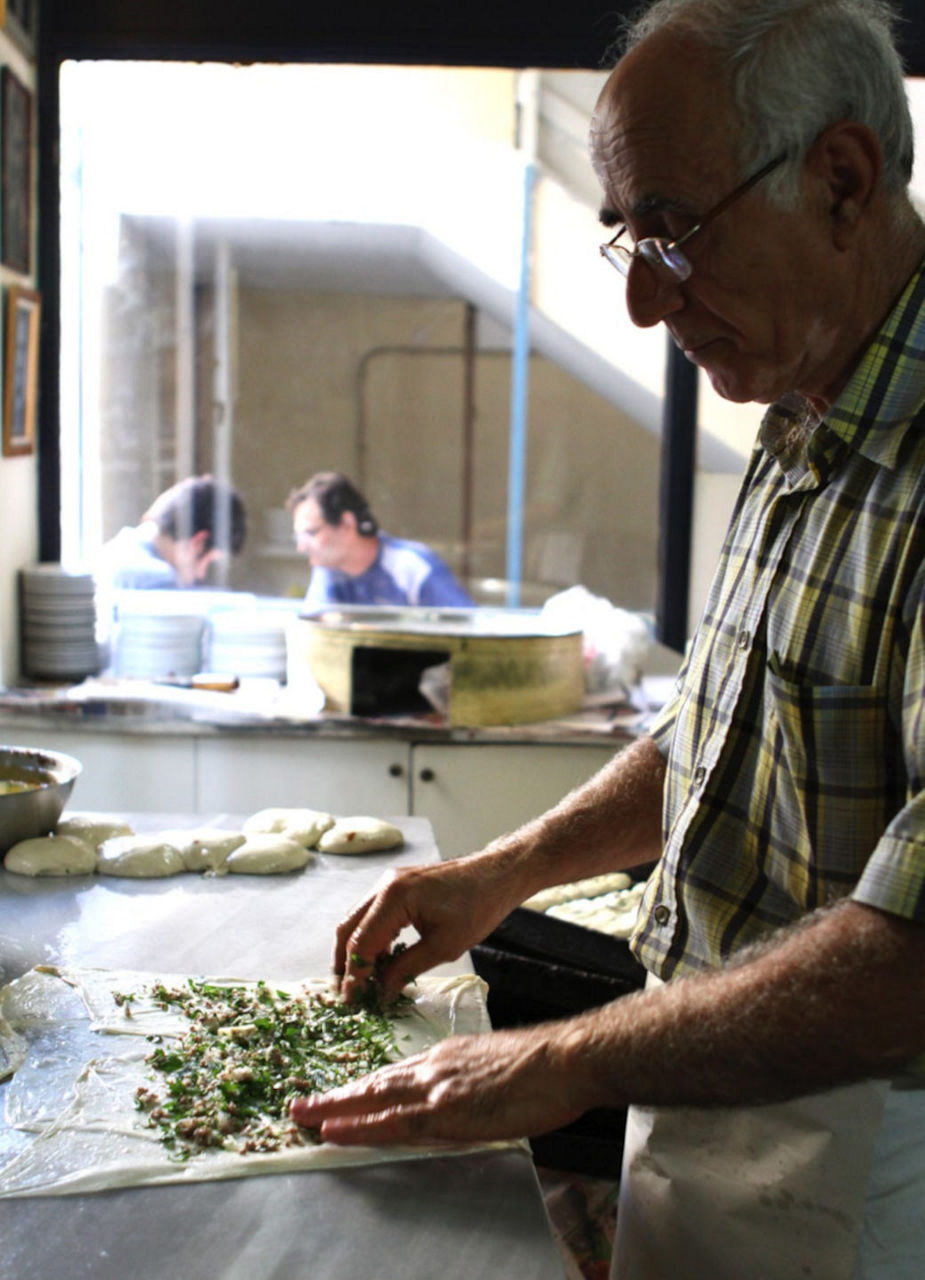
{"x":754,"y":157}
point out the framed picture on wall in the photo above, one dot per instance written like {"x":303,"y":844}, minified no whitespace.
{"x":19,"y":21}
{"x":15,"y":172}
{"x":20,"y":370}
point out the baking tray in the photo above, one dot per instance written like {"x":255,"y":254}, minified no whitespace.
{"x":539,"y":968}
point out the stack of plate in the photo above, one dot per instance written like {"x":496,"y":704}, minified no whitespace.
{"x":157,"y":646}
{"x":249,"y":642}
{"x":58,"y":615}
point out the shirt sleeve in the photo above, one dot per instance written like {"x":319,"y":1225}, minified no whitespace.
{"x":441,"y":588}
{"x":662,"y":728}
{"x":894,"y":877}
{"x":319,"y":590}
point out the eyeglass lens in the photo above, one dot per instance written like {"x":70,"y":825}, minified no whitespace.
{"x":664,"y":257}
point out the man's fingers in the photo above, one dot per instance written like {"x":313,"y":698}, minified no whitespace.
{"x":393,"y":1105}
{"x":388,"y":1087}
{"x":367,"y":933}
{"x":405,"y":1125}
{"x":405,"y":966}
{"x":343,"y":934}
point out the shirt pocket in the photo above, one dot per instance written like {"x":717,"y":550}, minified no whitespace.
{"x":839,"y":749}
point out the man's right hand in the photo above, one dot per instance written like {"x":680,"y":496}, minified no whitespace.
{"x":611,"y":822}
{"x":451,"y":905}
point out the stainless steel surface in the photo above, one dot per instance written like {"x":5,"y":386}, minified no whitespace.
{"x":417,"y":620}
{"x":478,"y":1215}
{"x":51,"y":775}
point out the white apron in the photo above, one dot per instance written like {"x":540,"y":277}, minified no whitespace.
{"x":828,"y":1187}
{"x":764,"y":1193}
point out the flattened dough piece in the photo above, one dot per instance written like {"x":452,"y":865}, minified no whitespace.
{"x":54,"y":855}
{"x":204,"y":848}
{"x":263,"y":854}
{"x":592,"y":887}
{"x":92,"y":830}
{"x":360,"y":835}
{"x":139,"y":857}
{"x":614,"y":913}
{"x":305,"y":826}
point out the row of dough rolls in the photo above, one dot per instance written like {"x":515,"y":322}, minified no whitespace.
{"x":269,"y":842}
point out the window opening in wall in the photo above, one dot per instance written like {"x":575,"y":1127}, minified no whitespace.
{"x":272,"y":270}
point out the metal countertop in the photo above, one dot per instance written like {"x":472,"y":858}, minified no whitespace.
{"x":469,"y":1216}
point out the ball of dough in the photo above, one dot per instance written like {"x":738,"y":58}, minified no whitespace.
{"x":305,"y":826}
{"x":54,"y":855}
{"x":204,"y":848}
{"x":93,"y":831}
{"x":360,"y":835}
{"x":139,"y":857}
{"x":263,"y":854}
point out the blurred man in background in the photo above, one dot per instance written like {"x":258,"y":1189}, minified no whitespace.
{"x":186,"y":530}
{"x":354,"y":562}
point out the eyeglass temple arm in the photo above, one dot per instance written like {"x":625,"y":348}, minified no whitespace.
{"x":733,"y":196}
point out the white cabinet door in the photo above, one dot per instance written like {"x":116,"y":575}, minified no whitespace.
{"x":240,"y":775}
{"x":122,"y":772}
{"x":471,"y":794}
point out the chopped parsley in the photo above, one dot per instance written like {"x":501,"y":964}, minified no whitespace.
{"x":228,"y":1080}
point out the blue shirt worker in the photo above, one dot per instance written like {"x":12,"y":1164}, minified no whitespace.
{"x":354,"y":562}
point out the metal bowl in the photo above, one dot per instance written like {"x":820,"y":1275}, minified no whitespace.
{"x":50,"y":776}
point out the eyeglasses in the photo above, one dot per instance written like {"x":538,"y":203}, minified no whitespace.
{"x":665,"y":258}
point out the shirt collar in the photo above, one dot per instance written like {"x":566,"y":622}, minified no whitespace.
{"x":880,"y":402}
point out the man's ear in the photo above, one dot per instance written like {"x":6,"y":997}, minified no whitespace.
{"x":349,"y":521}
{"x":847,"y":160}
{"x":200,"y":542}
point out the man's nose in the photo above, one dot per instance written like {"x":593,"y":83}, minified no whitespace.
{"x":651,"y":297}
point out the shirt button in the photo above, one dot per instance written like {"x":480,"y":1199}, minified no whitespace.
{"x":700,"y":775}
{"x":662,"y":914}
{"x":743,"y":639}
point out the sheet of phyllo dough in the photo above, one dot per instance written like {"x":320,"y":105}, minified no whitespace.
{"x":87,"y":1108}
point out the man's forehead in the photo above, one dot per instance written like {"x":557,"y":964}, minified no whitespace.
{"x":306,"y":512}
{"x":660,"y":129}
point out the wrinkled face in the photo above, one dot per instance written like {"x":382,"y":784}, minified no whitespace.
{"x":326,"y":545}
{"x":753,"y":312}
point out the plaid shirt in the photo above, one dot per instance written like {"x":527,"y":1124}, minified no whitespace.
{"x":796,"y":740}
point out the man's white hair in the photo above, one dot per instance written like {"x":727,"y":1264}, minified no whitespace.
{"x":794,"y":67}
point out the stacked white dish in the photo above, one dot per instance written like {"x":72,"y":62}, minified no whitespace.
{"x":249,"y":642}
{"x":157,"y":646}
{"x":58,"y":615}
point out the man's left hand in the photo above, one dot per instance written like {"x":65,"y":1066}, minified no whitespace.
{"x":508,"y":1084}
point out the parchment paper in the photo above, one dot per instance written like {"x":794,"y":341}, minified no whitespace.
{"x":70,"y":1119}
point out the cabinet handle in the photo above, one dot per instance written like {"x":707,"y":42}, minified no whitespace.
{"x":396,"y":771}
{"x":427,"y":775}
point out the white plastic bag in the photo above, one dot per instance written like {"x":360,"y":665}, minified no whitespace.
{"x":616,"y":641}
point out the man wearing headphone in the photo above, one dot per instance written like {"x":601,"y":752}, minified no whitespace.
{"x":353,"y":561}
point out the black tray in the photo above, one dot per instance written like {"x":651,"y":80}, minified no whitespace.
{"x":537,"y":969}
{"x":535,"y":935}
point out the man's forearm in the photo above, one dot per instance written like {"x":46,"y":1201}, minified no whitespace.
{"x":840,"y":998}
{"x":610,"y":822}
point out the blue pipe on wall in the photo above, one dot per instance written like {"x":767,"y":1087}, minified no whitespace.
{"x":520,"y":375}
